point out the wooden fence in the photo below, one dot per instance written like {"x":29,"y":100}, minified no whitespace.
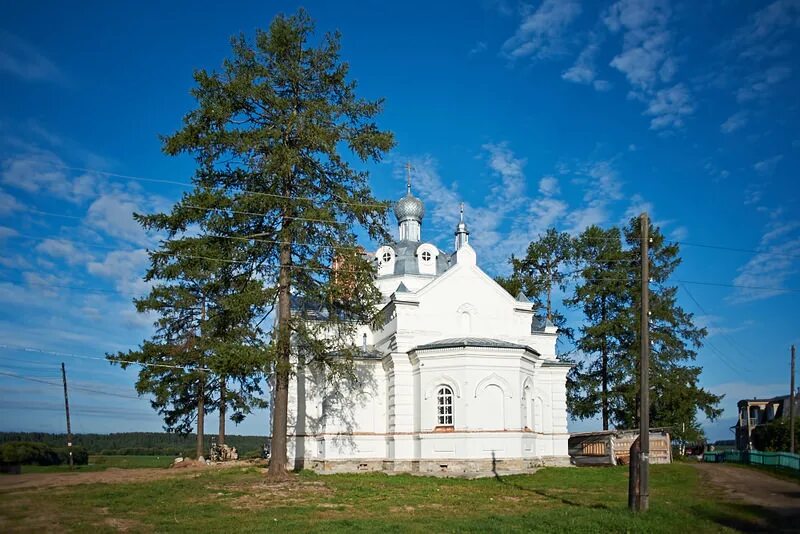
{"x":775,"y":459}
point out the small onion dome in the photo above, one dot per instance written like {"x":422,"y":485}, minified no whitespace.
{"x":461,"y":228}
{"x":409,"y":208}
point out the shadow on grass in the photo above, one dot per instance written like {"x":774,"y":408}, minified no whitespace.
{"x":542,"y":493}
{"x":761,"y":519}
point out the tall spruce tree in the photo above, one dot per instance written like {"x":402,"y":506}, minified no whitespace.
{"x":205,"y":353}
{"x":676,"y":398}
{"x":546,"y":266}
{"x":601,"y":293}
{"x":266,"y":135}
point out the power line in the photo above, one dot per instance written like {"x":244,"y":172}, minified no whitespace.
{"x":738,"y":286}
{"x":83,"y":410}
{"x":190,"y":185}
{"x":735,"y":249}
{"x":41,"y":380}
{"x":703,"y":310}
{"x":112,"y":360}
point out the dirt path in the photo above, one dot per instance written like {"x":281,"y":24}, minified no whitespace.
{"x":779,"y":497}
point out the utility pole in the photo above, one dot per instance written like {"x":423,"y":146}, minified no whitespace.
{"x":201,"y":394}
{"x":643,"y":499}
{"x":791,"y":407}
{"x":66,"y":408}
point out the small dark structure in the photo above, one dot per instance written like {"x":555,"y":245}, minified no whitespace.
{"x":612,"y":447}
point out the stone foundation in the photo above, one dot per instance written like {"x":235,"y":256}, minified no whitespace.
{"x":443,"y":467}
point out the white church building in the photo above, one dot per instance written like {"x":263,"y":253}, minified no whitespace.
{"x":461,"y":377}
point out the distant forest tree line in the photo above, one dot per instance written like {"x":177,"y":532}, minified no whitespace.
{"x":135,"y":443}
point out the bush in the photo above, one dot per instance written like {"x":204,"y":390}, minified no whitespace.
{"x":28,"y":453}
{"x":774,"y":436}
{"x":80,"y":456}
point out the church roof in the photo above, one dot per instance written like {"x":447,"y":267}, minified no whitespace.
{"x":409,"y":208}
{"x":480,"y":342}
{"x":406,"y":262}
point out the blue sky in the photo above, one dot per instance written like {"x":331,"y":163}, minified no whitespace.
{"x":554,"y":113}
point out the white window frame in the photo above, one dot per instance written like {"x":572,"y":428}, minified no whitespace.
{"x":445,"y":409}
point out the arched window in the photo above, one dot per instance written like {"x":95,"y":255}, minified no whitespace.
{"x":444,"y":406}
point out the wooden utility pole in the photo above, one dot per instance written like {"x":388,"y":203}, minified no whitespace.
{"x":642,"y":500}
{"x":222,"y":411}
{"x":791,"y":407}
{"x":201,"y":394}
{"x":66,"y":408}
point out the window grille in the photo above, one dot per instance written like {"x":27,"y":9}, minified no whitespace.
{"x":444,"y":405}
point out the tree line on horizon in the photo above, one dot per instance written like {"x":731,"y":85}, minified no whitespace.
{"x":135,"y":443}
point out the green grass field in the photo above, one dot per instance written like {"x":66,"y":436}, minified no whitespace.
{"x":239,"y":499}
{"x":98,"y":463}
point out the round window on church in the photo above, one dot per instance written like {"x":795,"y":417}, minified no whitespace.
{"x":426,"y":256}
{"x":387,"y":257}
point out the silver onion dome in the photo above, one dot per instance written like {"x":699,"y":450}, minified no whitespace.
{"x":409,"y":208}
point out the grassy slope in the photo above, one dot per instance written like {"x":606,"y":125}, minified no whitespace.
{"x":577,"y":500}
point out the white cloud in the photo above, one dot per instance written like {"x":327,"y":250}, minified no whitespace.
{"x":772,"y":266}
{"x":112,"y":213}
{"x":601,"y":85}
{"x":43,"y":171}
{"x":502,"y":161}
{"x":9,"y":204}
{"x":7,"y":232}
{"x":768,"y":165}
{"x":479,"y":47}
{"x":25,"y":62}
{"x":764,"y":35}
{"x":583,"y":71}
{"x":645,"y":40}
{"x":679,"y":233}
{"x":668,"y":107}
{"x":59,"y":248}
{"x":548,"y":186}
{"x":760,"y":84}
{"x":637,"y":206}
{"x":540,"y":35}
{"x":735,"y":122}
{"x":126,"y":268}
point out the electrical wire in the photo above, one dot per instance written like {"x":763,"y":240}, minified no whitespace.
{"x":112,"y":360}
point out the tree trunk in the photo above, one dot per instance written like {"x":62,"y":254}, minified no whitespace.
{"x":200,"y":415}
{"x":221,"y":436}
{"x":604,"y":370}
{"x":278,"y":460}
{"x":549,"y":291}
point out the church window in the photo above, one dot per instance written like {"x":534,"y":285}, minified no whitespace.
{"x":426,"y":256}
{"x":444,"y":404}
{"x":387,"y":257}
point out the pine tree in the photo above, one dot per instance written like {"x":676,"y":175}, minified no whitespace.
{"x":675,"y":394}
{"x":545,"y":267}
{"x":266,"y":135}
{"x":601,"y":293}
{"x":608,"y":291}
{"x":206,"y":334}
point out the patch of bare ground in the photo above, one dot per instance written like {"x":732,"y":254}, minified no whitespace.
{"x":112,"y":475}
{"x":758,"y":489}
{"x":260,"y":494}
